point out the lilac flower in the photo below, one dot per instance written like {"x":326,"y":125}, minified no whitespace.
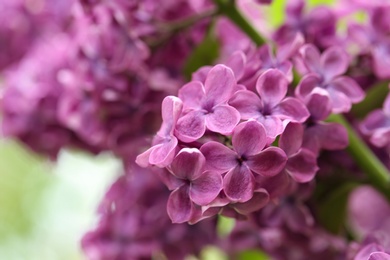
{"x":377,"y":125}
{"x":302,"y":163}
{"x":205,"y":106}
{"x":193,"y":185}
{"x":373,"y":39}
{"x":320,"y":135}
{"x":325,"y":72}
{"x":317,"y":27}
{"x":272,"y":108}
{"x":247,"y":156}
{"x":164,"y":143}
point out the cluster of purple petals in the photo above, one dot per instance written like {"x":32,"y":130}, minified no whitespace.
{"x":217,"y":138}
{"x":101,"y":88}
{"x":286,"y":229}
{"x":133,"y":223}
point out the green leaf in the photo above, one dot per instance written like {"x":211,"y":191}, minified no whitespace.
{"x":225,"y":225}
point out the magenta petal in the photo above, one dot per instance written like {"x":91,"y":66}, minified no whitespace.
{"x":171,"y":108}
{"x":379,"y":256}
{"x":349,"y":87}
{"x":223,"y":119}
{"x":376,"y":119}
{"x":302,"y":166}
{"x":188,"y":164}
{"x":237,"y":63}
{"x":143,"y":159}
{"x":239,"y":184}
{"x":340,"y":102}
{"x":249,"y":138}
{"x":307,"y":85}
{"x":291,"y":139}
{"x":219,"y":84}
{"x":334,"y":62}
{"x":179,"y":206}
{"x":272,"y":87}
{"x":386,"y":105}
{"x":318,"y":104}
{"x":292,"y":109}
{"x":218,"y":157}
{"x":366,"y":251}
{"x":311,"y":57}
{"x":247,"y":103}
{"x":163,"y":154}
{"x":191,"y":126}
{"x":206,"y":188}
{"x":269,"y":162}
{"x":191,"y":94}
{"x":332,"y":136}
{"x":276,"y":186}
{"x":259,"y":200}
{"x":201,"y":74}
{"x":273,"y":127}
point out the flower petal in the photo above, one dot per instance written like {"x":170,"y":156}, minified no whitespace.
{"x":292,"y":109}
{"x":259,"y":200}
{"x":206,"y":188}
{"x":247,"y":103}
{"x":171,"y":108}
{"x":188,"y":164}
{"x":249,"y":138}
{"x":334,"y":62}
{"x":307,"y":84}
{"x":219,"y":158}
{"x":291,"y":139}
{"x":239,"y":184}
{"x":340,"y":102}
{"x":237,"y":63}
{"x":349,"y":87}
{"x":223,"y":119}
{"x":379,"y":256}
{"x":219,"y":84}
{"x":272,"y":87}
{"x":191,"y":94}
{"x":179,"y":206}
{"x":332,"y":136}
{"x":273,"y":127}
{"x":302,"y":166}
{"x":269,"y":162}
{"x":319,"y":105}
{"x":201,"y":74}
{"x":311,"y":57}
{"x":163,"y":154}
{"x":191,"y":127}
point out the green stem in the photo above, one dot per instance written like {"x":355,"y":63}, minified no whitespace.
{"x":364,"y":157}
{"x":228,"y":8}
{"x":376,"y":172}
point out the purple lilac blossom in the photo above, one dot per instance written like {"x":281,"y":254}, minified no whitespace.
{"x":246,"y":159}
{"x":271,"y":108}
{"x":320,"y":135}
{"x":192,"y":185}
{"x":164,"y":143}
{"x":325,"y":71}
{"x":373,"y":39}
{"x":317,"y":26}
{"x":376,"y":125}
{"x":368,"y":214}
{"x":205,"y":105}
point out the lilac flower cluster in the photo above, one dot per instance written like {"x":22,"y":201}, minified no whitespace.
{"x":250,"y":136}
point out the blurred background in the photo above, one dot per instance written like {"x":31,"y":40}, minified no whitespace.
{"x":45,"y":208}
